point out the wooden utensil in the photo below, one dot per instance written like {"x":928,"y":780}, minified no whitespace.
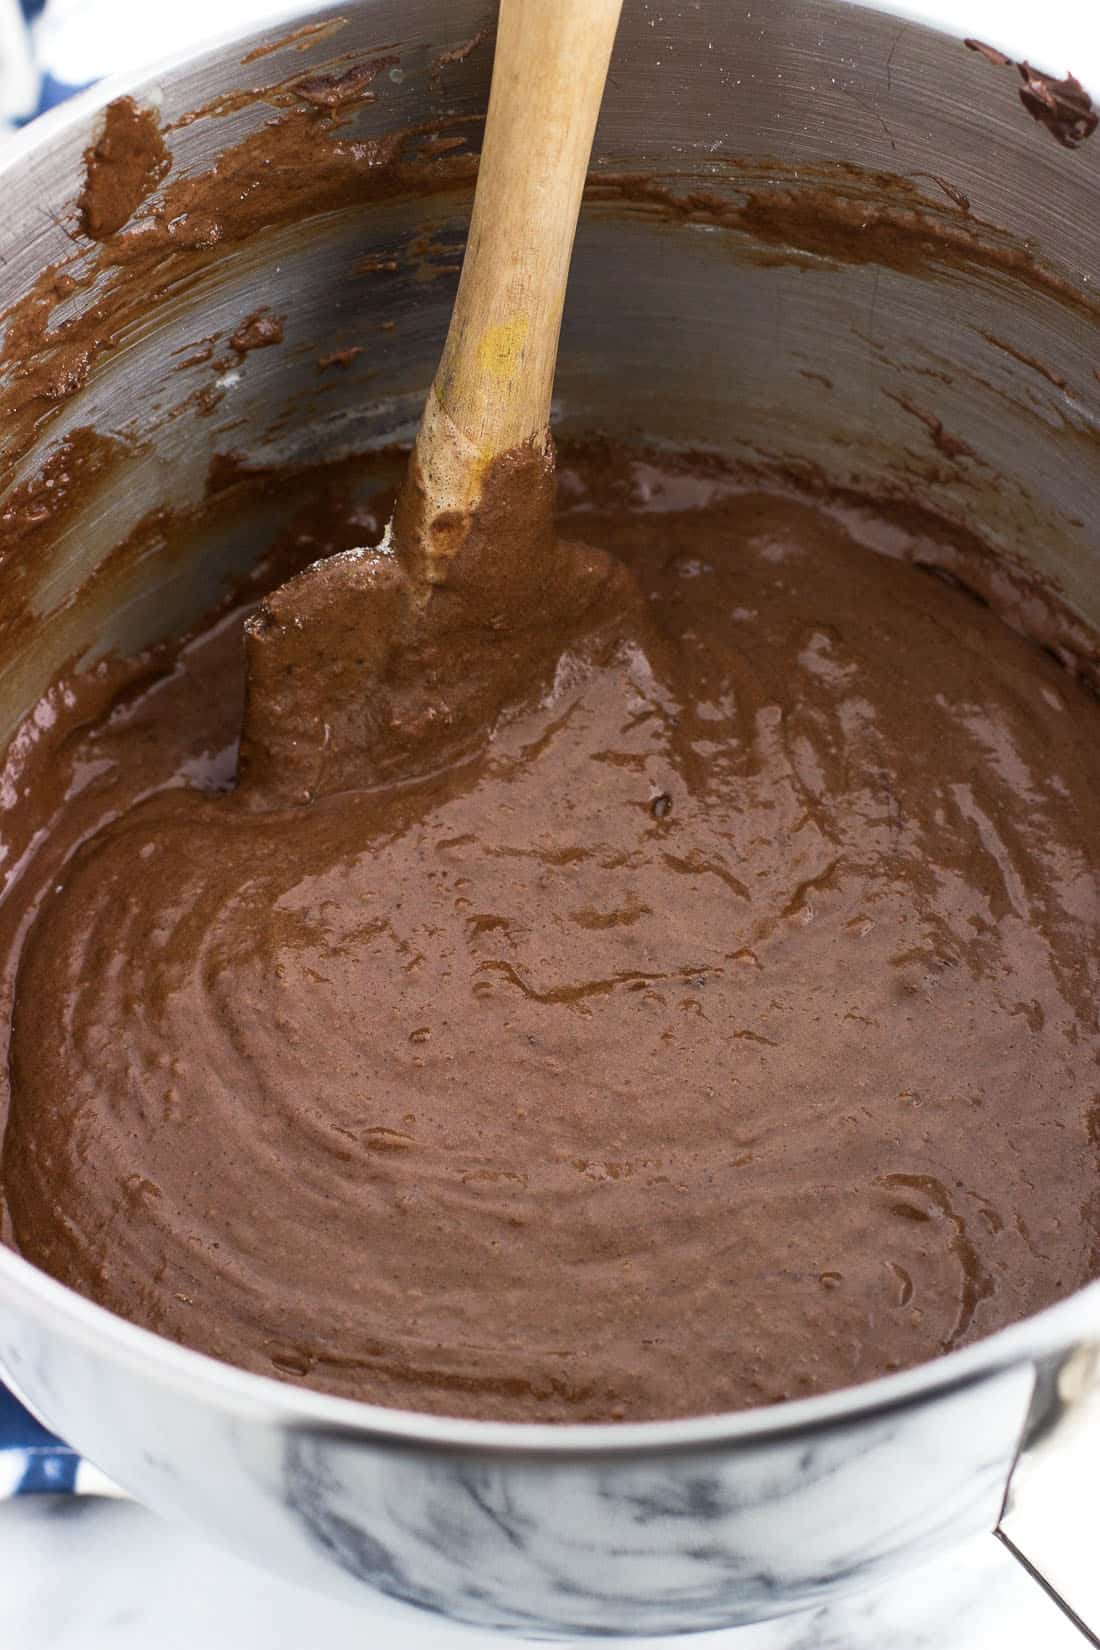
{"x":492,"y":389}
{"x":378,"y":666}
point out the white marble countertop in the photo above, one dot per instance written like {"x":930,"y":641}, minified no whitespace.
{"x":80,"y":1574}
{"x":90,"y":1573}
{"x":87,"y":1573}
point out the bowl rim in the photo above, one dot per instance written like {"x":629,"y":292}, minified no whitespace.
{"x":253,"y":1398}
{"x":264,"y":1399}
{"x":1011,"y":26}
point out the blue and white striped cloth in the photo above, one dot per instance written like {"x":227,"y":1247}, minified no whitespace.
{"x":34,"y":1462}
{"x":31,"y":1459}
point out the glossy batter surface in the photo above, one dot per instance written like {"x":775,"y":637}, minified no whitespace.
{"x":722,"y":1030}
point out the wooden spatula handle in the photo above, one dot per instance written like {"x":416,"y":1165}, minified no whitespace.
{"x":497,"y":370}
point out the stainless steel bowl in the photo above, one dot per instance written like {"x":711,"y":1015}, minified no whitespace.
{"x":720,"y":326}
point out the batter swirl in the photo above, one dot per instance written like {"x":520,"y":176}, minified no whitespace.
{"x":721,"y":1029}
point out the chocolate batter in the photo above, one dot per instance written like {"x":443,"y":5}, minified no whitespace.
{"x":719,"y":1029}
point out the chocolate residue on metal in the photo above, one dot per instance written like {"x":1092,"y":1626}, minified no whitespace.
{"x":196,"y":354}
{"x":228,"y":469}
{"x":122,"y":168}
{"x":323,"y":92}
{"x":339,"y":357}
{"x":291,"y":169}
{"x":336,"y":91}
{"x":841,"y":215}
{"x":990,"y":53}
{"x":442,"y":145}
{"x":257,"y":332}
{"x":39,"y":508}
{"x":457,"y":54}
{"x":1026,"y":360}
{"x":1062,"y":106}
{"x":961,"y":201}
{"x":45,"y":497}
{"x":300,"y":40}
{"x":434,"y":256}
{"x":227,"y":103}
{"x":951,"y":446}
{"x":302,"y":163}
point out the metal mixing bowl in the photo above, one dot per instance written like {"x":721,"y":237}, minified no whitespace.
{"x":735,"y":329}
